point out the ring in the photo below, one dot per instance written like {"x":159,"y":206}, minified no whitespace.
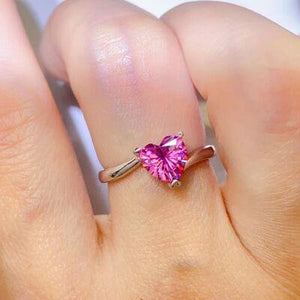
{"x":166,"y":161}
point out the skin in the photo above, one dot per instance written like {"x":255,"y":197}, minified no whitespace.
{"x":127,"y":69}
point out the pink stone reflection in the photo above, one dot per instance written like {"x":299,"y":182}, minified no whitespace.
{"x":166,"y":161}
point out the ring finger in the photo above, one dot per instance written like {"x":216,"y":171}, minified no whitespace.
{"x":127,"y":72}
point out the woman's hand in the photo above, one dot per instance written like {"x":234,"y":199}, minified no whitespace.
{"x":133,"y":76}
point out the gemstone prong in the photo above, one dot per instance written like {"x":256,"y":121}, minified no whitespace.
{"x":137,"y":150}
{"x":175,"y":183}
{"x":180,"y":134}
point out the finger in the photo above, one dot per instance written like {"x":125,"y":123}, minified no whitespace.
{"x":248,"y":69}
{"x":46,"y":221}
{"x":128,"y":74}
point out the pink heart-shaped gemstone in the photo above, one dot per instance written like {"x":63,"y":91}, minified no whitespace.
{"x":167,"y":160}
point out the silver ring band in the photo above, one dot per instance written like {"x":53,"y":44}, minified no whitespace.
{"x":114,"y":173}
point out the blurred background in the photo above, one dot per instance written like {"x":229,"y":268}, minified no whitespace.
{"x":35,"y":13}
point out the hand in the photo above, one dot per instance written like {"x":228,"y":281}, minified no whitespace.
{"x":133,"y":76}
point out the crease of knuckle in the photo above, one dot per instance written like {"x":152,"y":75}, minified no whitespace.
{"x":273,"y":77}
{"x":24,"y":195}
{"x":278,"y":99}
{"x":17,"y":126}
{"x":183,"y":281}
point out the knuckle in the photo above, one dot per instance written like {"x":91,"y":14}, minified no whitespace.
{"x":127,"y":50}
{"x":21,"y":126}
{"x":238,"y":56}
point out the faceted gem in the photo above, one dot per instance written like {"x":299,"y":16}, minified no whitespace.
{"x":167,"y":160}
